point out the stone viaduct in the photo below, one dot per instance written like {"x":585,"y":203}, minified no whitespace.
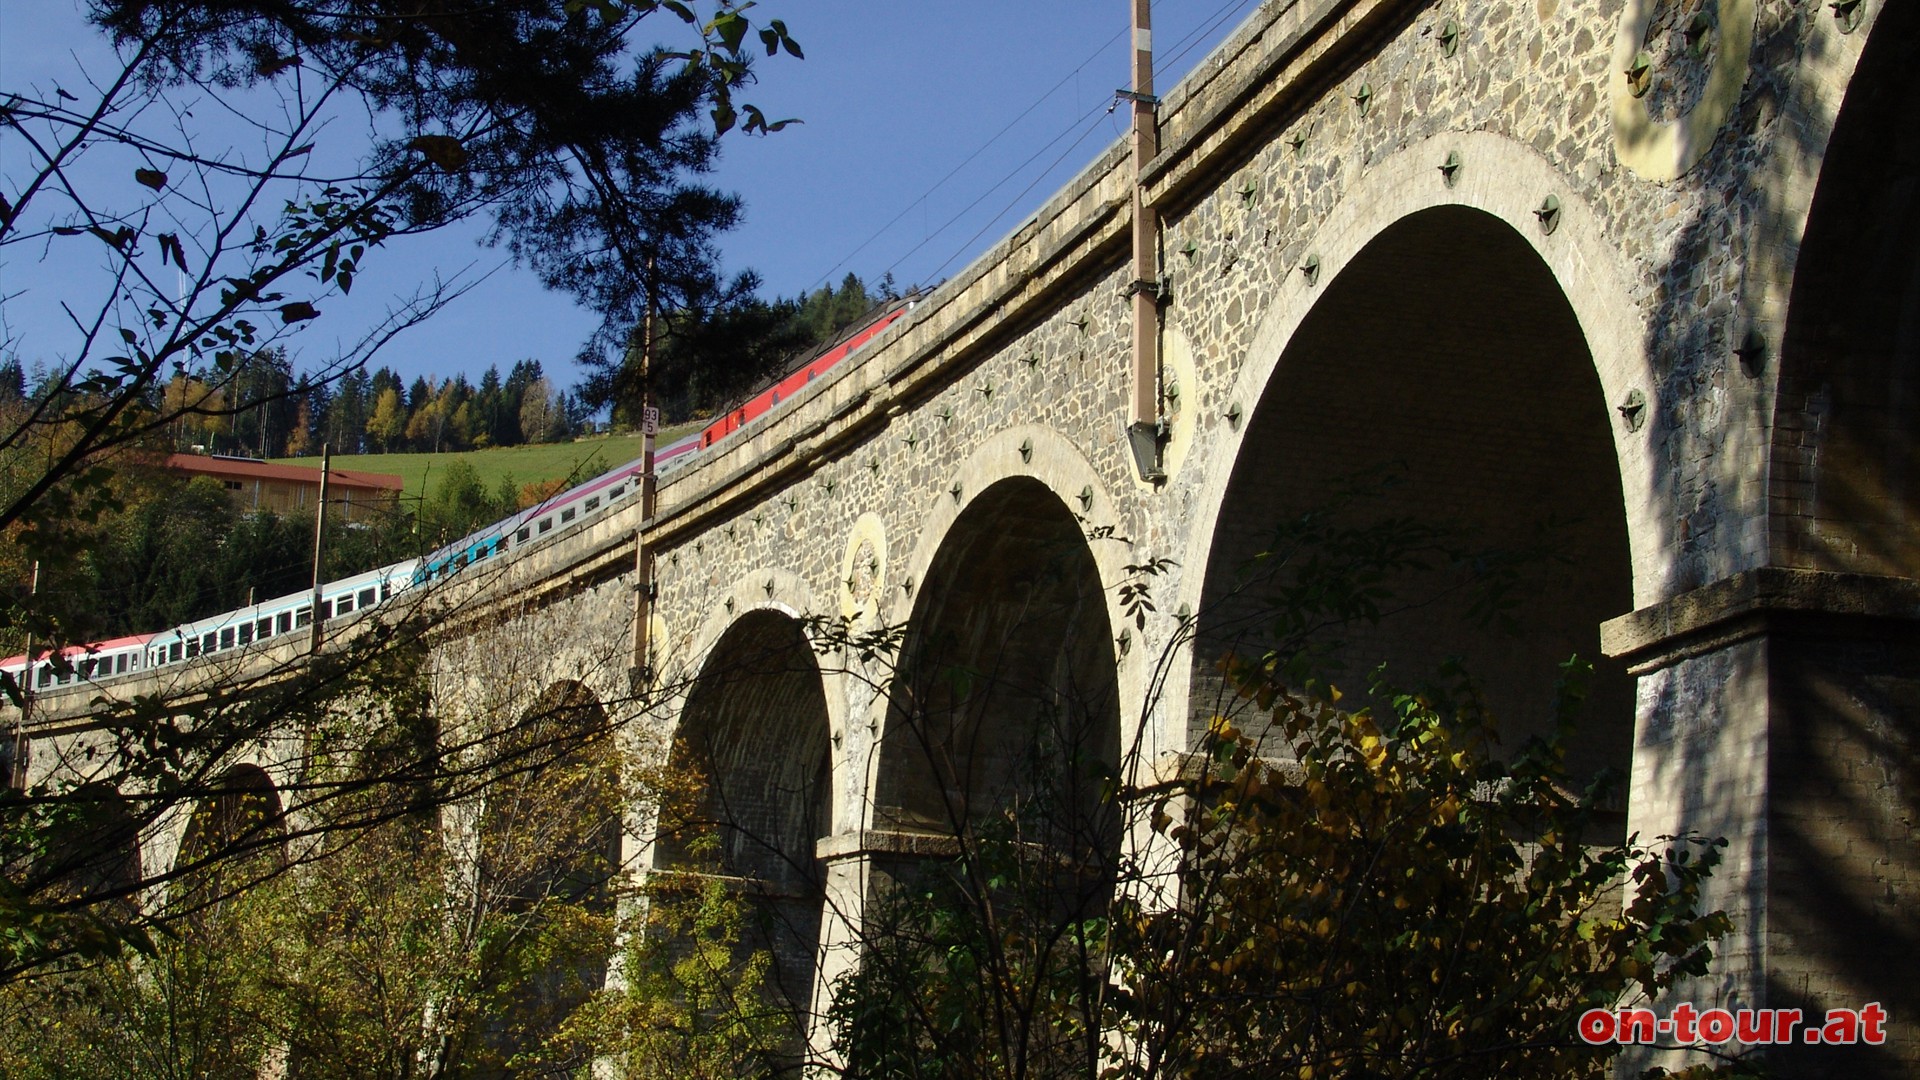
{"x":1639,"y":280}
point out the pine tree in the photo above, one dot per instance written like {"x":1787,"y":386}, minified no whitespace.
{"x":13,"y":381}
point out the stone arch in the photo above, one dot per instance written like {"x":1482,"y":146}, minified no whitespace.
{"x":1007,"y":688}
{"x":1035,"y":454}
{"x":548,"y":831}
{"x":241,"y":811}
{"x":554,"y":801}
{"x":1845,"y":483}
{"x":1443,"y":363}
{"x":1507,"y":181}
{"x":1842,"y":653}
{"x":234,"y":836}
{"x":756,"y":732}
{"x":96,"y":856}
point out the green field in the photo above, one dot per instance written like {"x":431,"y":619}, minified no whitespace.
{"x":580,"y":459}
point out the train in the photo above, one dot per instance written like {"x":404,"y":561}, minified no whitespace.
{"x":272,"y":619}
{"x":763,"y":402}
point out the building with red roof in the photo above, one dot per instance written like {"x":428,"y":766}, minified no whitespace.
{"x":281,"y":489}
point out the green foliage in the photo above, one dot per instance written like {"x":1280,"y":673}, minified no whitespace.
{"x":1397,"y":900}
{"x":1315,"y":890}
{"x":359,"y":944}
{"x":698,"y":1004}
{"x":209,"y":258}
{"x":1393,"y":900}
{"x":993,"y":965}
{"x":460,"y":503}
{"x":182,"y":1009}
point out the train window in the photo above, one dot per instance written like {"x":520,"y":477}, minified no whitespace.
{"x":366,"y":597}
{"x":263,"y":627}
{"x":342,"y":605}
{"x":303,"y":617}
{"x":46,"y":676}
{"x":175,"y":653}
{"x":567,"y":514}
{"x":126,"y":661}
{"x":283,"y":622}
{"x":327,"y":610}
{"x":246,"y":634}
{"x":226,"y":637}
{"x":593,"y":504}
{"x":193,"y":648}
{"x":84,"y":669}
{"x":619,"y":490}
{"x":210,"y":641}
{"x":546,"y":525}
{"x":386,"y":591}
{"x":522,"y":536}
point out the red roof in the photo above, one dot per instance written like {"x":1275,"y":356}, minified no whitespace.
{"x":249,"y":469}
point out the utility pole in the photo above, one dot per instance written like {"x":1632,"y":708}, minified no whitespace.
{"x":319,"y":542}
{"x":17,"y":760}
{"x":643,"y":558}
{"x":1143,"y":413}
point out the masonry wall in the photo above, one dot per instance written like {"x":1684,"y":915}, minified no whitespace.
{"x":1721,"y":434}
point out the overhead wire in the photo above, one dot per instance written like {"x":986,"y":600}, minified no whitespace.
{"x":1039,"y":176}
{"x":1181,"y":48}
{"x":970,"y":158}
{"x":1186,"y":44}
{"x":982,"y":197}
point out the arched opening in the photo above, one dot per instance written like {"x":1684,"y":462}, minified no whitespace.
{"x":547,"y":858}
{"x":97,"y":858}
{"x":1005,"y":707}
{"x":1846,"y":468}
{"x":997,"y":823}
{"x":1437,"y":419}
{"x":1843,"y":727}
{"x":235,"y":838}
{"x":755,"y":733}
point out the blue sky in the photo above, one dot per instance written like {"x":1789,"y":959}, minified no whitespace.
{"x":929,"y":132}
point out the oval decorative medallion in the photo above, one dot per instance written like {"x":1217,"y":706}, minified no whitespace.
{"x":1678,"y":68}
{"x":863,"y":569}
